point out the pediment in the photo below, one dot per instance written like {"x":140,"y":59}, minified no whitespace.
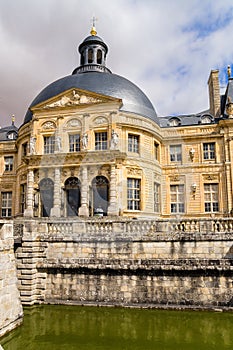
{"x":74,"y":98}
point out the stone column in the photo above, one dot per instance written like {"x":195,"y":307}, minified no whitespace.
{"x":84,"y":209}
{"x":30,"y":192}
{"x":113,"y":206}
{"x":56,"y":210}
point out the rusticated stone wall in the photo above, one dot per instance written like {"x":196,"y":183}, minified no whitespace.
{"x":11,"y":311}
{"x":126,"y":262}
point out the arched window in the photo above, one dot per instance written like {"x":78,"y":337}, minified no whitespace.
{"x":73,"y":196}
{"x":90,"y":56}
{"x":99,"y":56}
{"x":46,"y":187}
{"x":82,"y":59}
{"x":100,"y":194}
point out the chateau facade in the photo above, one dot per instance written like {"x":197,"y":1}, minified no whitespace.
{"x":92,"y":145}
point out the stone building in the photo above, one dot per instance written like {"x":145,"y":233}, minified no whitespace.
{"x":92,"y":144}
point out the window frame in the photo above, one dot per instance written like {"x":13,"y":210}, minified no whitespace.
{"x":175,"y":153}
{"x":212,"y":204}
{"x":157,"y":196}
{"x":208,"y":153}
{"x":133,"y":143}
{"x":8,"y":166}
{"x":50,"y":147}
{"x":6,"y":204}
{"x":101,"y":140}
{"x":75,"y":145}
{"x":133,"y":194}
{"x":177,"y":206}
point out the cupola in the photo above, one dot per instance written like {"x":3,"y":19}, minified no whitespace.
{"x":93,"y":52}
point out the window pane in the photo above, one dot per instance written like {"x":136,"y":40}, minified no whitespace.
{"x":211,"y":197}
{"x":175,"y":153}
{"x":101,"y":140}
{"x":133,"y":194}
{"x":74,"y":143}
{"x":133,"y":143}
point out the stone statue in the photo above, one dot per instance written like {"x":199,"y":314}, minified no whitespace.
{"x":32,"y":145}
{"x":84,"y":141}
{"x":114,"y":140}
{"x":58,"y":143}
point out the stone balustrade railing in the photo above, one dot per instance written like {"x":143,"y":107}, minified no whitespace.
{"x":125,"y":229}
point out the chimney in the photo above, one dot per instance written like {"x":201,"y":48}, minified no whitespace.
{"x":214,"y":93}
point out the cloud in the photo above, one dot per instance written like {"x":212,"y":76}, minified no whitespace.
{"x":166,"y":47}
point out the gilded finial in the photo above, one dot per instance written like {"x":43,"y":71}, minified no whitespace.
{"x":229,"y":71}
{"x":93,"y":30}
{"x":13,"y":119}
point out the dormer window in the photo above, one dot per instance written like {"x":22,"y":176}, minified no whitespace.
{"x":206,"y":119}
{"x":174,"y":122}
{"x":12,"y":135}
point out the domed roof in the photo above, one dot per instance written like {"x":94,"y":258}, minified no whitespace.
{"x":134,"y":100}
{"x":92,"y":75}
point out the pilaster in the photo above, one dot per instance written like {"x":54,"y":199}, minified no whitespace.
{"x":113,"y":207}
{"x":83,"y":210}
{"x":29,"y":200}
{"x":56,"y":210}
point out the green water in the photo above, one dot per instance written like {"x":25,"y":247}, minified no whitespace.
{"x":52,"y":327}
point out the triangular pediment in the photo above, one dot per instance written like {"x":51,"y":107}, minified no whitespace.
{"x":74,"y":98}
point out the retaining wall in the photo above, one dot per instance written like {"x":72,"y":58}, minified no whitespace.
{"x":126,"y":262}
{"x":11,"y":311}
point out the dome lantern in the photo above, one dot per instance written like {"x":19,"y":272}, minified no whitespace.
{"x":93,"y":52}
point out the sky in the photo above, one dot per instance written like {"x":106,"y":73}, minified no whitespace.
{"x":166,"y":47}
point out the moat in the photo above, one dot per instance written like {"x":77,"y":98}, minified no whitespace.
{"x":51,"y":327}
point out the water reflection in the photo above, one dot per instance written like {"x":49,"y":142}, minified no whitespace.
{"x":52,"y":327}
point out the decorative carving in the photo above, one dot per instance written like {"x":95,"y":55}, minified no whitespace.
{"x":74,"y":100}
{"x":23,"y":177}
{"x":134,"y":172}
{"x":73,"y":123}
{"x":210,"y":177}
{"x":174,"y":178}
{"x":100,"y":120}
{"x":49,"y":125}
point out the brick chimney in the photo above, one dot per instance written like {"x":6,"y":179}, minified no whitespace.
{"x":214,"y":93}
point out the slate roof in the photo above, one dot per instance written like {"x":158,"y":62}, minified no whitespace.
{"x":134,"y":100}
{"x":4,"y":132}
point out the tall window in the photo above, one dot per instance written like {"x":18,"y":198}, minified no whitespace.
{"x":133,"y":143}
{"x":101,"y":140}
{"x":209,"y":150}
{"x":175,"y":153}
{"x":133,"y":194}
{"x":22,"y":197}
{"x":211,"y":198}
{"x":74,"y":143}
{"x":156,"y":197}
{"x":49,"y":144}
{"x":24,"y":149}
{"x":177,"y":198}
{"x":156,"y":150}
{"x":6,"y":204}
{"x":8,"y":163}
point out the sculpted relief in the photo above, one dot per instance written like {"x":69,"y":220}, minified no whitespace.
{"x":73,"y":100}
